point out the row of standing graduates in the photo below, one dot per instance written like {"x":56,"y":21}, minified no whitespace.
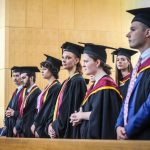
{"x":100,"y":107}
{"x":47,"y":113}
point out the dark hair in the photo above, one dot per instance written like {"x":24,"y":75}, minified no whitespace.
{"x":32,"y":75}
{"x":51,"y":68}
{"x":103,"y":65}
{"x":119,"y":76}
{"x":79,"y":68}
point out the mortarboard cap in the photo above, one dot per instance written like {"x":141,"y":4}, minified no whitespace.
{"x":98,"y":51}
{"x":125,"y":52}
{"x":15,"y":69}
{"x":74,"y":48}
{"x":141,"y":15}
{"x":29,"y":69}
{"x":56,"y":62}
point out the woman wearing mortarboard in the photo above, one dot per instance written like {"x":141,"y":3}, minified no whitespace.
{"x":47,"y":99}
{"x":102,"y":102}
{"x":123,"y":68}
{"x":71,"y":94}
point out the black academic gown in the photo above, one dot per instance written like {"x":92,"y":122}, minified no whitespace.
{"x":14,"y":104}
{"x":123,"y":86}
{"x":142,"y":100}
{"x":23,"y":123}
{"x":47,"y":110}
{"x":138,"y":125}
{"x":72,"y":98}
{"x":104,"y":102}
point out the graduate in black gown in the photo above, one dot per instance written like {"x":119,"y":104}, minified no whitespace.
{"x":100,"y":108}
{"x":47,"y":99}
{"x":28,"y":107}
{"x":12,"y":110}
{"x":134,"y":119}
{"x":123,"y":68}
{"x":71,"y":94}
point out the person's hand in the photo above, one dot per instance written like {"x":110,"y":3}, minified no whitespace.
{"x":9,"y":112}
{"x":121,"y":133}
{"x":14,"y":131}
{"x":76,"y":117}
{"x":12,"y":112}
{"x":51,"y":131}
{"x":36,"y":135}
{"x":33,"y":129}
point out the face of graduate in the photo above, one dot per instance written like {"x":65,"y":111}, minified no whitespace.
{"x":122,"y":62}
{"x":90,"y":66}
{"x":46,"y":74}
{"x":69,"y":60}
{"x":26,"y":80}
{"x":137,"y":35}
{"x":16,"y":77}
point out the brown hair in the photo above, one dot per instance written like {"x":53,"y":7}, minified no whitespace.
{"x":118,"y":72}
{"x":51,"y":68}
{"x":79,"y":68}
{"x":103,"y":65}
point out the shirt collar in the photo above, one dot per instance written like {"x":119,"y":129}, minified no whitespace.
{"x":19,"y":88}
{"x":145,"y":55}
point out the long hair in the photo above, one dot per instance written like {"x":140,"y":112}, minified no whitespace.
{"x":119,"y":76}
{"x":103,"y":65}
{"x":79,"y":68}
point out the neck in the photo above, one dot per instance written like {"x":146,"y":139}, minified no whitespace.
{"x":124,"y":72}
{"x":19,"y":85}
{"x":31,"y":84}
{"x":51,"y":80}
{"x":72,"y":71}
{"x":144,"y":48}
{"x":99,"y":74}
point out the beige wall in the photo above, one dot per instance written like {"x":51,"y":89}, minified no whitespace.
{"x":2,"y":59}
{"x":35,"y":27}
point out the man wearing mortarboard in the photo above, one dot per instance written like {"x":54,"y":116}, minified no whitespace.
{"x":134,"y":119}
{"x":28,"y":106}
{"x":12,"y":110}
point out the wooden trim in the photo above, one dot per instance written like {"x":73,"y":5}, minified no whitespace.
{"x":64,"y":144}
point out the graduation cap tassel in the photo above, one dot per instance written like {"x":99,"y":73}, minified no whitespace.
{"x":113,"y":58}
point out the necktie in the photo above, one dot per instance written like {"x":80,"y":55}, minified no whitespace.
{"x":130,"y":89}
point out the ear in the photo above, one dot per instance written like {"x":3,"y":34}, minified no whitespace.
{"x":148,"y":33}
{"x":77,"y":60}
{"x":31,"y":78}
{"x":98,"y":62}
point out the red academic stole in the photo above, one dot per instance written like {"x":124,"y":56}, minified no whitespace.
{"x":59,"y":100}
{"x":103,"y":84}
{"x":126,"y":78}
{"x":20,"y":98}
{"x":144,"y":66}
{"x":60,"y":97}
{"x":45,"y":92}
{"x":25,"y":98}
